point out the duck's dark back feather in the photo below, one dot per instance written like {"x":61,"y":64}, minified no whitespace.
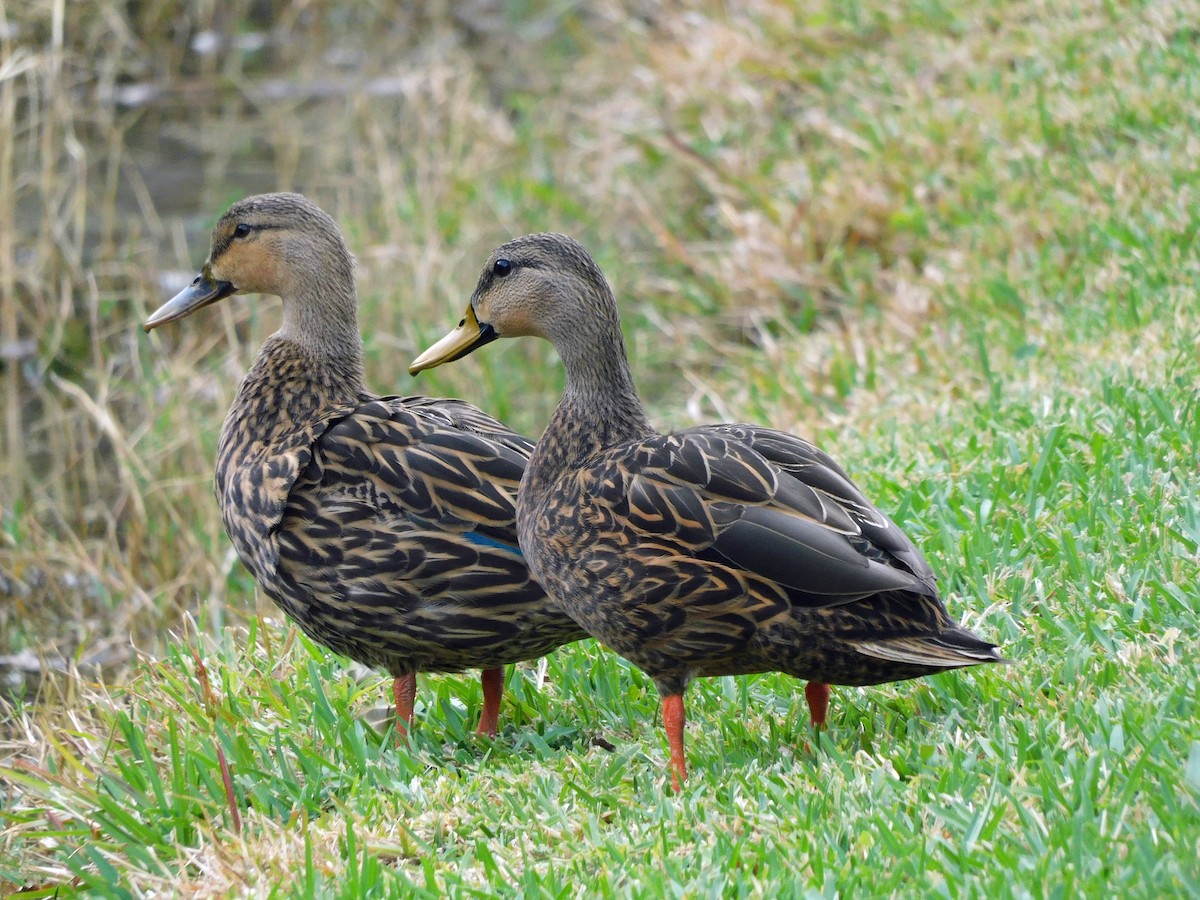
{"x":878,"y":536}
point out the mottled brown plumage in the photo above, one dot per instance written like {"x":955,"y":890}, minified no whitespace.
{"x":720,"y":550}
{"x":383,"y":526}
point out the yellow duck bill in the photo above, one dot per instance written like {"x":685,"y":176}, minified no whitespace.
{"x":469,"y":335}
{"x":203,"y":291}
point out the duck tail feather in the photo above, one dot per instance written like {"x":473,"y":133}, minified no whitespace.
{"x":949,"y":649}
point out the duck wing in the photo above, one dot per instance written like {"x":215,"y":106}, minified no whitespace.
{"x":797,"y":523}
{"x":464,"y":416}
{"x":415,"y":460}
{"x":806,"y":462}
{"x":401,"y":528}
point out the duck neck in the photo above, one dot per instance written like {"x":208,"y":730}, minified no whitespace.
{"x":322,"y":322}
{"x":600,"y":406}
{"x":313,"y":364}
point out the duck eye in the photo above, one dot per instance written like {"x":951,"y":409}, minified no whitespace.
{"x":502,"y":267}
{"x":242,"y":230}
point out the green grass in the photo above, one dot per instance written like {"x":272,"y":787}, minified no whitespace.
{"x":955,"y":244}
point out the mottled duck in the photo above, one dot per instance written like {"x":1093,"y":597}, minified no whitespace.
{"x":718,"y":550}
{"x":383,"y":526}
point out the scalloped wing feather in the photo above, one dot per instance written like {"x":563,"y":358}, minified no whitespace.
{"x":719,"y":498}
{"x":820,"y":473}
{"x":399,"y":540}
{"x":254,"y":479}
{"x":415,"y":465}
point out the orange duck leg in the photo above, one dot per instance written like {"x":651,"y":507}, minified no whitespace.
{"x":493,"y":689}
{"x":674,"y":720}
{"x":817,"y":695}
{"x":404,"y":689}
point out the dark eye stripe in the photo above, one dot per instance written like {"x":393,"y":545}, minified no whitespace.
{"x":222,"y":244}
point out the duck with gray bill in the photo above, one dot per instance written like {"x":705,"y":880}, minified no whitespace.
{"x":383,"y":526}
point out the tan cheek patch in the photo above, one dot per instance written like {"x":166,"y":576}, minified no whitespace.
{"x":511,"y":319}
{"x":248,"y":267}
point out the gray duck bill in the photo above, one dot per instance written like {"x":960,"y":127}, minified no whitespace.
{"x":203,"y":291}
